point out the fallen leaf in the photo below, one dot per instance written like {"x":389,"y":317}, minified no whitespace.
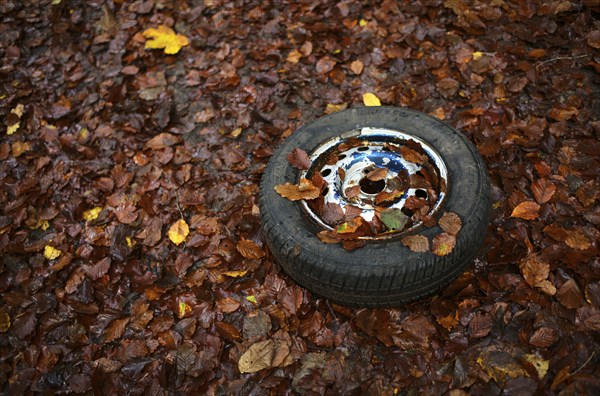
{"x":570,"y":295}
{"x":249,"y":249}
{"x":228,"y":304}
{"x":543,"y":190}
{"x":303,"y":190}
{"x":234,"y":274}
{"x":387,"y":196}
{"x":540,"y":365}
{"x":416,"y":243}
{"x":352,"y":192}
{"x":115,"y":330}
{"x":349,"y":226}
{"x":577,"y":240}
{"x":562,"y":114}
{"x":527,"y":210}
{"x":92,"y":214}
{"x":412,"y":156}
{"x":443,"y":244}
{"x":593,"y":39}
{"x":18,"y":111}
{"x":327,"y":236}
{"x":294,"y":56}
{"x":535,"y":272}
{"x":370,"y":99}
{"x":543,"y":337}
{"x":394,"y":219}
{"x":178,"y":232}
{"x":299,"y":159}
{"x":4,"y":321}
{"x":164,"y":37}
{"x":258,"y":356}
{"x":332,"y":213}
{"x":450,"y":223}
{"x":334,"y":108}
{"x":183,"y":309}
{"x":377,"y":174}
{"x":356,"y":67}
{"x":51,"y":253}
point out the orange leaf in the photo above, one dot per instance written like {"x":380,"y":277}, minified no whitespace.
{"x":303,"y":190}
{"x":412,"y":156}
{"x":249,"y":250}
{"x":543,"y":190}
{"x":527,"y":210}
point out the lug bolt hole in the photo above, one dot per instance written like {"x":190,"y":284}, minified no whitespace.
{"x":326,"y":172}
{"x":371,"y":187}
{"x":420,"y":193}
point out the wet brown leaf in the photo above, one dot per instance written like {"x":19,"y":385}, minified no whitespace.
{"x":412,"y":156}
{"x":543,"y":190}
{"x":543,"y":337}
{"x":299,"y":159}
{"x":577,"y":240}
{"x":416,"y":243}
{"x":570,"y":295}
{"x":115,"y":330}
{"x":249,"y":249}
{"x":377,"y":174}
{"x":450,"y":223}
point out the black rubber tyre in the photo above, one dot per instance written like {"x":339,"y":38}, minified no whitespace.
{"x":381,"y":273}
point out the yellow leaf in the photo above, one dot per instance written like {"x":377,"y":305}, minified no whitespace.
{"x":333,"y":108}
{"x":165,"y":37}
{"x":44,"y":225}
{"x":370,"y":99}
{"x":178,"y":232}
{"x":234,"y":274}
{"x":18,"y":111}
{"x":252,"y":299}
{"x":477,"y":55}
{"x":50,"y":252}
{"x":19,"y":148}
{"x":236,"y":132}
{"x":130,"y":242}
{"x":92,"y":214}
{"x":362,"y":23}
{"x":540,"y":365}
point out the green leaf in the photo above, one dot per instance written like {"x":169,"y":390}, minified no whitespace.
{"x":394,"y":219}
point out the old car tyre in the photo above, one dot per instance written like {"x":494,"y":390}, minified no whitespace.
{"x":384,"y":272}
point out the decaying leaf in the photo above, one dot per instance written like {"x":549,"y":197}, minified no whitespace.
{"x":263,"y":355}
{"x":527,"y":210}
{"x":249,"y":249}
{"x":577,"y":240}
{"x":570,"y":295}
{"x":4,"y":321}
{"x":334,"y":108}
{"x":305,"y":189}
{"x":178,"y":232}
{"x":299,"y":159}
{"x":370,"y":99}
{"x":356,"y":67}
{"x":443,"y":244}
{"x":450,"y":223}
{"x":17,"y":111}
{"x":543,"y":190}
{"x":164,"y":37}
{"x":377,"y":174}
{"x":416,"y":243}
{"x":349,"y":226}
{"x":535,"y":272}
{"x":394,"y":219}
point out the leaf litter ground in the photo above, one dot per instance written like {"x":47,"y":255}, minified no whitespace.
{"x":108,"y":146}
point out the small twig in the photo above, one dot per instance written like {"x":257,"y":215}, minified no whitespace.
{"x":331,"y":309}
{"x":583,"y":365}
{"x":561,"y":58}
{"x":178,"y":206}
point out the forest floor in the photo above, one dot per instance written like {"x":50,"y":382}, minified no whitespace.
{"x":132,"y":259}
